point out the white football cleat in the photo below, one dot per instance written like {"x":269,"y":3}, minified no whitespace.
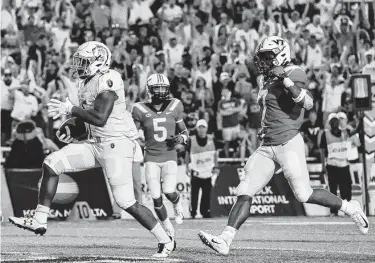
{"x":164,"y":250}
{"x":29,"y":223}
{"x":359,"y":217}
{"x":215,"y":242}
{"x":178,"y":213}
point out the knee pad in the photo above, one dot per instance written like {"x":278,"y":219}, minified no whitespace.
{"x":123,"y":197}
{"x":172,"y":196}
{"x":158,"y":202}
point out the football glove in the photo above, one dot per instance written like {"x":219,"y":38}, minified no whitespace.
{"x":278,"y":72}
{"x":57,"y":108}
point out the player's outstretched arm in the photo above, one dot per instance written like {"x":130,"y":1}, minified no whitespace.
{"x":103,"y":106}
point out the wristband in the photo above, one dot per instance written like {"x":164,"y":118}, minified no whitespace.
{"x":288,"y":82}
{"x":300,"y":96}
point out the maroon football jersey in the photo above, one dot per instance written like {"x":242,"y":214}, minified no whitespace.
{"x":159,"y":126}
{"x":281,"y":116}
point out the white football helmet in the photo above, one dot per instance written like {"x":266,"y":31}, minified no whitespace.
{"x":158,"y":86}
{"x":270,"y":52}
{"x":90,"y":58}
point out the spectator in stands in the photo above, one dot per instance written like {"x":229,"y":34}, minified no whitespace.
{"x":224,"y":82}
{"x":26,"y":150}
{"x":8,"y":85}
{"x":228,"y":118}
{"x":25,"y":105}
{"x":310,"y":130}
{"x":101,"y":14}
{"x":335,"y":146}
{"x":201,"y":167}
{"x":333,"y":88}
{"x":313,"y":55}
{"x":173,"y":52}
{"x":369,"y":67}
{"x":315,"y":28}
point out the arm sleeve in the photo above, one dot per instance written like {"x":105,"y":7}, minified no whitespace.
{"x":136,"y":113}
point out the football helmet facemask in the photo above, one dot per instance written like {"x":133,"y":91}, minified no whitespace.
{"x":271,"y":52}
{"x":158,"y":86}
{"x":90,"y":58}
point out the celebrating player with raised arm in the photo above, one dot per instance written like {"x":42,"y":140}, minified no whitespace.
{"x":110,"y":143}
{"x":161,"y":119}
{"x":283,"y":98}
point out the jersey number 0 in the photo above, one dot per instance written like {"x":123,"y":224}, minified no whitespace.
{"x":160,"y":134}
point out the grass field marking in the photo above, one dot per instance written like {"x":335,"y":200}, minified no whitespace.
{"x":297,"y":223}
{"x":113,"y":259}
{"x":307,"y":250}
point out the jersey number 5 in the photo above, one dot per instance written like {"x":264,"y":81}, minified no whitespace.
{"x":160,"y":134}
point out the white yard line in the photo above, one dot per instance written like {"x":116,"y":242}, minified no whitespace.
{"x":306,"y":250}
{"x":98,"y":258}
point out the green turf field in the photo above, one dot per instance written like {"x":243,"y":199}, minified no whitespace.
{"x":272,"y":239}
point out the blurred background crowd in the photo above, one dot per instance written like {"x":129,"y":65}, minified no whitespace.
{"x":204,"y":47}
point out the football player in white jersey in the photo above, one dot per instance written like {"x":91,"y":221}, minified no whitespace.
{"x":110,"y":143}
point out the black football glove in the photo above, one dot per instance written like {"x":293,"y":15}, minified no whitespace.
{"x":178,"y":139}
{"x":278,"y":72}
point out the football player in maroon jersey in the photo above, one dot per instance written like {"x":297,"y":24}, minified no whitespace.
{"x":163,"y":126}
{"x":283,"y":99}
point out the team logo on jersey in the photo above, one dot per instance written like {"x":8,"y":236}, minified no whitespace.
{"x":110,"y":83}
{"x":169,"y":112}
{"x":148,"y":115}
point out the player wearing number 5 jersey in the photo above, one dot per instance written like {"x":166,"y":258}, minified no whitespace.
{"x":161,"y":119}
{"x":283,"y":99}
{"x":110,"y":143}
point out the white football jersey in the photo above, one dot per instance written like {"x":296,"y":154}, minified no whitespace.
{"x":120,"y":122}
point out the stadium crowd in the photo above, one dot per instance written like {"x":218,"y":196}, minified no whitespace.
{"x":204,"y":47}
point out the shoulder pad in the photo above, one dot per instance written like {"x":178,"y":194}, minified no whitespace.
{"x":296,"y":74}
{"x":110,"y":80}
{"x":139,"y":106}
{"x":175,"y":102}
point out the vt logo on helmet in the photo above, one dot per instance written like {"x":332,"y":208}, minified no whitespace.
{"x":271,"y":52}
{"x":158,"y":86}
{"x":90,"y":58}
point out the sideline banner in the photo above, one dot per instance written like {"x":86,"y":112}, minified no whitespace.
{"x":276,"y":198}
{"x":88,"y":186}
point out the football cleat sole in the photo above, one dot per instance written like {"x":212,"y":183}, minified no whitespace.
{"x":39,"y":231}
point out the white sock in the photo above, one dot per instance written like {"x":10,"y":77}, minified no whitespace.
{"x":228,"y":234}
{"x":168,"y":225}
{"x":347,"y":208}
{"x":160,"y":234}
{"x":41,"y":214}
